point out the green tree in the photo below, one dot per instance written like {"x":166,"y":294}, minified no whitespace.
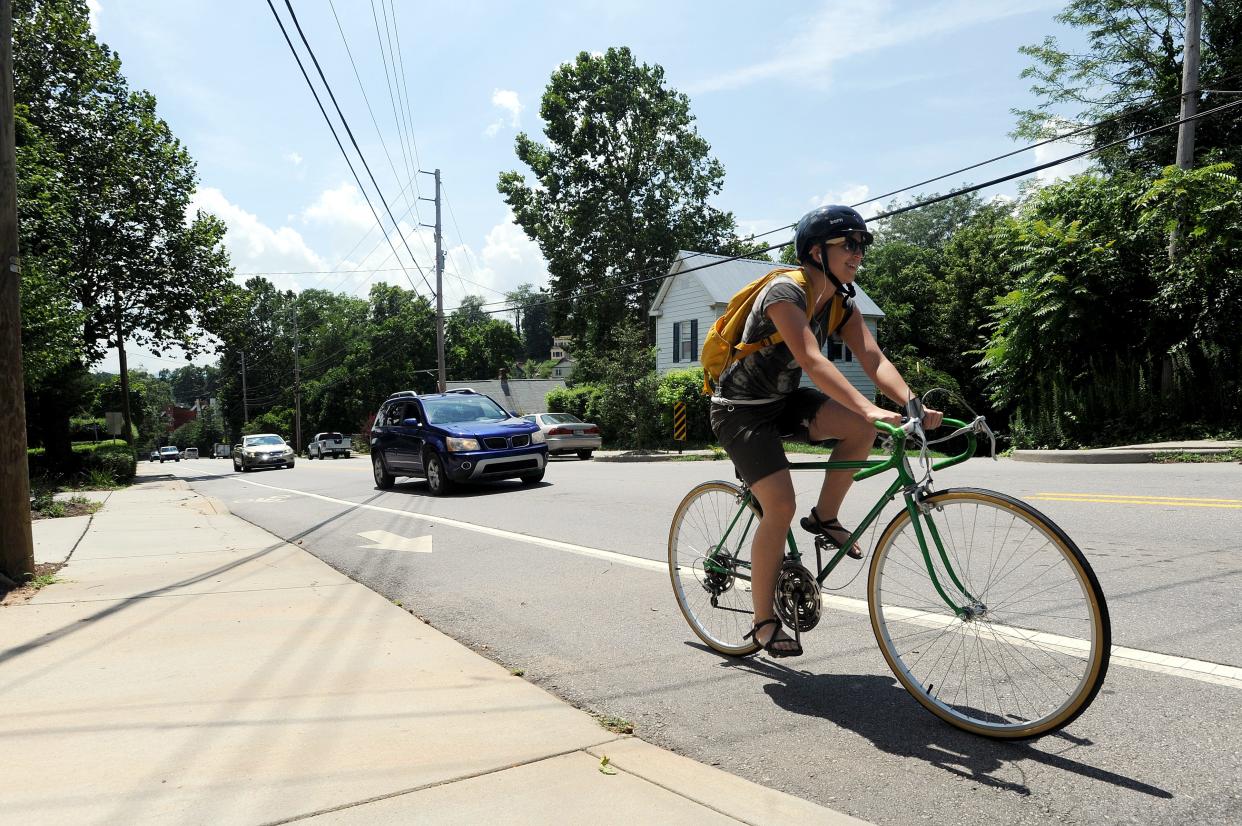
{"x":621,"y":183}
{"x":1131,"y":72}
{"x":476,"y":345}
{"x":530,"y":307}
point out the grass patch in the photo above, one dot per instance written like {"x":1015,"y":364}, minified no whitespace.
{"x":518,"y":672}
{"x":1175,"y":457}
{"x":43,"y":576}
{"x":45,"y":506}
{"x":617,"y":725}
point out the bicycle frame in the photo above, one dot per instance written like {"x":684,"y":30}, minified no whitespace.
{"x":905,"y":483}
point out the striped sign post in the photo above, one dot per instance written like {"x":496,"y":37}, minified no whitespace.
{"x":679,"y":423}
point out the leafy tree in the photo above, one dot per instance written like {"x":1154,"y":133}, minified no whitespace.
{"x":530,"y":306}
{"x":1132,"y":71}
{"x":476,"y":345}
{"x":620,"y":184}
{"x":106,"y":195}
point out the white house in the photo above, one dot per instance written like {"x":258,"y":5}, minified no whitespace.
{"x":690,"y":300}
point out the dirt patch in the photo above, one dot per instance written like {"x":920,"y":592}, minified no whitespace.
{"x":45,"y":507}
{"x":44,"y":575}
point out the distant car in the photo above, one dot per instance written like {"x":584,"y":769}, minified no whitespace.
{"x":169,"y":453}
{"x":155,"y":456}
{"x":189,"y":453}
{"x":328,"y":444}
{"x":566,"y":433}
{"x":261,"y":450}
{"x":453,"y":437}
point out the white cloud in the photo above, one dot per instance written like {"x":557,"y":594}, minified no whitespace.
{"x":294,"y":158}
{"x":508,"y":102}
{"x":342,"y":207}
{"x":255,"y":247}
{"x":1053,"y":151}
{"x":840,"y":29}
{"x":851,"y":194}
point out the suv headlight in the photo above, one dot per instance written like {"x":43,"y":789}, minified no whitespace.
{"x":537,"y":438}
{"x":453,"y":443}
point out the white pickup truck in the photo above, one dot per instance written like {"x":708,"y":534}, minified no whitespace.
{"x":328,"y":444}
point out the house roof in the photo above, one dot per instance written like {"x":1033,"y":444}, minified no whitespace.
{"x":722,"y":281}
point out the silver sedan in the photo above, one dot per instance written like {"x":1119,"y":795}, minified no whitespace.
{"x":566,"y":433}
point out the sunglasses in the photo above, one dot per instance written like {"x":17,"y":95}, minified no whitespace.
{"x":852,"y":245}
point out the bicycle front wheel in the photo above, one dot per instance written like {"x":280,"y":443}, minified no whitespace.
{"x":709,"y":564}
{"x":1023,"y":648}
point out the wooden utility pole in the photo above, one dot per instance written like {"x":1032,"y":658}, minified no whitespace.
{"x":1190,"y":85}
{"x":16,"y":543}
{"x":1190,"y":107}
{"x":441,"y":379}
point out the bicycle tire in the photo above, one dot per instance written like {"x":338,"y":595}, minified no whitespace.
{"x":1029,"y":653}
{"x":718,"y":606}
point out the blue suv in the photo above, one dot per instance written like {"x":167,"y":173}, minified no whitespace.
{"x":453,"y":437}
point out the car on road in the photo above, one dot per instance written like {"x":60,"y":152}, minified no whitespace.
{"x":261,"y":450}
{"x":189,"y":453}
{"x":328,"y":444}
{"x":155,"y":456}
{"x":169,"y":453}
{"x":566,"y":433}
{"x":451,"y":438}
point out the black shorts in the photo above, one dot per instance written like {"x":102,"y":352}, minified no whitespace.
{"x":752,"y":433}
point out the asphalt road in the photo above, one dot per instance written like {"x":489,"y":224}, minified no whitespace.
{"x":565,"y":580}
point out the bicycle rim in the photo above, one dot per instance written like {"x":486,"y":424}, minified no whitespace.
{"x":1030,"y":649}
{"x":711,"y":577}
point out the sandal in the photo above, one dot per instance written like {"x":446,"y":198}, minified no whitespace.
{"x":792,"y":648}
{"x":833,"y":531}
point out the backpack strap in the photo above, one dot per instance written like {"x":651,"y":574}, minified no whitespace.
{"x":796,"y":275}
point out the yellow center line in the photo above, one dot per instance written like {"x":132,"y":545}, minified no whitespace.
{"x":1167,"y":501}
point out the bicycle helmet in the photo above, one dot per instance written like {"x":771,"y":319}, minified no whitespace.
{"x":825,"y":223}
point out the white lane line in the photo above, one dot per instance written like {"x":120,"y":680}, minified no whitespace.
{"x":1200,"y":670}
{"x":569,"y":547}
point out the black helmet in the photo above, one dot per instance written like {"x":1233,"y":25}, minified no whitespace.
{"x":824,"y":223}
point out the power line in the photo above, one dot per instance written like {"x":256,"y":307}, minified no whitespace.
{"x":916,"y":205}
{"x":339,"y":145}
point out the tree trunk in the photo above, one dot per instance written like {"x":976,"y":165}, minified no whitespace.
{"x":126,"y":417}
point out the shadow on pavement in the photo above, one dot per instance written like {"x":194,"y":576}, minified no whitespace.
{"x":879,"y":709}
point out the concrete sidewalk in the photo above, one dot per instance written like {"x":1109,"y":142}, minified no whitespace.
{"x":1127,"y":454}
{"x":191,"y":668}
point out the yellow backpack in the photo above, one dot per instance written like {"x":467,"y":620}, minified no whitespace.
{"x":723,"y":343}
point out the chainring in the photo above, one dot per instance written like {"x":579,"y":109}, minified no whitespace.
{"x":797,"y":597}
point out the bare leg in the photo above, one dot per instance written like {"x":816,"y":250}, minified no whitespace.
{"x":856,"y":435}
{"x":775,"y":493}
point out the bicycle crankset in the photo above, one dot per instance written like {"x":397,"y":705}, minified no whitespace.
{"x":798,"y":601}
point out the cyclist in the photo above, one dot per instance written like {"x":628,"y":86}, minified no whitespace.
{"x":757,"y":400}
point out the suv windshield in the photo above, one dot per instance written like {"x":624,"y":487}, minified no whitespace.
{"x":168,"y":450}
{"x":463,"y":409}
{"x":253,"y":441}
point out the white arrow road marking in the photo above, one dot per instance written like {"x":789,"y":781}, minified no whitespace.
{"x":396,"y":542}
{"x":1201,"y":670}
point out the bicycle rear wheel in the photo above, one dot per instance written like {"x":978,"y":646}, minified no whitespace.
{"x":709,"y":565}
{"x":1028,"y":647}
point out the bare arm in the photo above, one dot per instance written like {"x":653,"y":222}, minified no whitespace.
{"x":790,"y":321}
{"x":858,"y":338}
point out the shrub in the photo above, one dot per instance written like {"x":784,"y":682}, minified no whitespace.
{"x":685,"y":386}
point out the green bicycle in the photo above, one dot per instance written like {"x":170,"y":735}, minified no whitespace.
{"x":985,"y":610}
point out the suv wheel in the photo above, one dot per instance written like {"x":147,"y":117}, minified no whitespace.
{"x":383,"y":479}
{"x":532,"y":478}
{"x":438,"y":482}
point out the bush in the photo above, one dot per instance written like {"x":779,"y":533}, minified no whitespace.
{"x":685,"y":386}
{"x":100,"y":466}
{"x":94,"y":465}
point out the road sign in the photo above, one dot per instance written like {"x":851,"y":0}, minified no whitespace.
{"x":116,"y":422}
{"x":679,"y":421}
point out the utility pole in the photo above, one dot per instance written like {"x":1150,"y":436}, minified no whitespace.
{"x":1190,"y":85}
{"x":442,"y":379}
{"x":297,"y":380}
{"x":1190,"y":106}
{"x":16,"y":541}
{"x":245,"y":397}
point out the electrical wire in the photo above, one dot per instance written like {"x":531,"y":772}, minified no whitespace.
{"x":350,"y":132}
{"x":340,"y":146}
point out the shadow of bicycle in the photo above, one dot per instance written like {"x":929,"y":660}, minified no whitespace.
{"x":878,"y":708}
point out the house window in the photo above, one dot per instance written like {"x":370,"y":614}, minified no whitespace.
{"x":837,"y":351}
{"x":686,"y":340}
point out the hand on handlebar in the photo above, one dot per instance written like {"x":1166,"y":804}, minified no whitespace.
{"x":879,"y":414}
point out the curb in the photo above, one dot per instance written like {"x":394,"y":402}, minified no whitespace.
{"x":658,"y":457}
{"x":1106,"y":456}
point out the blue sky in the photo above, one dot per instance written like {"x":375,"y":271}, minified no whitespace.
{"x":802,"y":103}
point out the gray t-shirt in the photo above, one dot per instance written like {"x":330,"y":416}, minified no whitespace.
{"x":772,"y":372}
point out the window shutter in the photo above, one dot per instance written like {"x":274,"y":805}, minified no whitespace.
{"x":676,"y":341}
{"x":694,"y":339}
